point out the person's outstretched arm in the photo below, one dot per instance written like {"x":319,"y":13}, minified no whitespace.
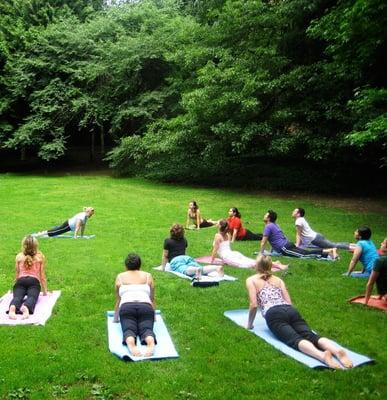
{"x":187,"y":222}
{"x":164,"y":259}
{"x":285,"y":292}
{"x":215,"y":247}
{"x":370,"y":285}
{"x":152,"y":291}
{"x":118,"y":299}
{"x":298,"y":235}
{"x":78,"y":226}
{"x":355,"y":258}
{"x":198,"y":219}
{"x":43,"y":279}
{"x":253,"y":302}
{"x":263,"y":243}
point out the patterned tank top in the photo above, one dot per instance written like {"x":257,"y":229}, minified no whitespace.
{"x":270,"y":296}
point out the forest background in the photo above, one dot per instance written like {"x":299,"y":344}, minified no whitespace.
{"x":277,"y":94}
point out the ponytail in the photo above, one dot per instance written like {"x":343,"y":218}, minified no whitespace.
{"x":29,"y":249}
{"x":263,"y":266}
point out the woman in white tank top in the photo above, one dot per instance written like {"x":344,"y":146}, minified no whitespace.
{"x":135,"y":306}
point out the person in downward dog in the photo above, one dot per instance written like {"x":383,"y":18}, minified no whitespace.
{"x":269,"y":293}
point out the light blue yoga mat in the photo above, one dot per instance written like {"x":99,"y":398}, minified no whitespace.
{"x":164,"y":347}
{"x":260,"y":329}
{"x":67,"y":237}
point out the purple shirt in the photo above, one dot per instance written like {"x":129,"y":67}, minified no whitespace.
{"x":275,"y":236}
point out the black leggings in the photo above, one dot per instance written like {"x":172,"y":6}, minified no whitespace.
{"x":137,"y":319}
{"x":206,"y":224}
{"x":288,"y":326}
{"x":26,"y":286}
{"x":291,"y":250}
{"x":58,"y":230}
{"x":251,"y":236}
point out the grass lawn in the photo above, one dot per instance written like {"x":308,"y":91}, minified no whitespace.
{"x":69,"y":358}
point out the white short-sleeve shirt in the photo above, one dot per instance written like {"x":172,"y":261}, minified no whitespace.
{"x":307,"y":233}
{"x":73,"y":220}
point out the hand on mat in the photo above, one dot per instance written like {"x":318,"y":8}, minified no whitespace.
{"x":249,"y":327}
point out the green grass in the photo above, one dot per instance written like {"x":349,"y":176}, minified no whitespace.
{"x":69,"y":358}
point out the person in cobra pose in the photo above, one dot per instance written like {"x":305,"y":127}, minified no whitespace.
{"x":222,"y":248}
{"x":237,"y":231}
{"x":195,"y":219}
{"x":76,"y":224}
{"x":30,"y":277}
{"x":135,"y":306}
{"x":269,"y":293}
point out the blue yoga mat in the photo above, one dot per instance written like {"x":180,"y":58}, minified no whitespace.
{"x":67,"y":237}
{"x":164,"y":348}
{"x":260,"y":329}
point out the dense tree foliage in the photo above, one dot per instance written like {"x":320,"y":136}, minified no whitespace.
{"x":190,"y":88}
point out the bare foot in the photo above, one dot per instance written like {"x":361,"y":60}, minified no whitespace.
{"x":220,"y":270}
{"x":12,"y":312}
{"x":344,"y":359}
{"x":134,"y":350}
{"x":150,"y":346}
{"x":198,"y":274}
{"x":328,"y":360}
{"x":25,"y":312}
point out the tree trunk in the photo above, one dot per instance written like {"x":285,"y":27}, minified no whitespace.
{"x":92,"y":147}
{"x":102,"y":142}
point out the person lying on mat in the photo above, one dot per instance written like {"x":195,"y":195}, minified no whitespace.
{"x":76,"y":224}
{"x":278,"y":241}
{"x":195,"y":219}
{"x":135,"y":306}
{"x":378,"y":276}
{"x":221,"y":247}
{"x":306,"y":236}
{"x":237,"y":231}
{"x":270,"y":294}
{"x":365,"y":252}
{"x":30,"y":277}
{"x":174,"y":253}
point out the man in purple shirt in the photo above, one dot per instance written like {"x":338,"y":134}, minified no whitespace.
{"x":278,"y":241}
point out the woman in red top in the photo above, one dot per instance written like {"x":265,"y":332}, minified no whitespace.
{"x":30,"y":276}
{"x":237,"y":231}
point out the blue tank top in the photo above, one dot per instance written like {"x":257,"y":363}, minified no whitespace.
{"x":369,"y":254}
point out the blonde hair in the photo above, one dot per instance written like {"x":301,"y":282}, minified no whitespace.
{"x":29,"y":249}
{"x":88,"y":209}
{"x":263,"y":266}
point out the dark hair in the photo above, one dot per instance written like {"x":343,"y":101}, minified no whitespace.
{"x":194,"y":204}
{"x":223,"y":226}
{"x":132,"y":262}
{"x":301,"y":211}
{"x":272,"y":215}
{"x":177,"y":231}
{"x":364,"y":232}
{"x":236,"y":212}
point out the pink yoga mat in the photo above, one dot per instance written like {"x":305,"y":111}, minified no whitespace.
{"x":374,"y":302}
{"x":42,"y":312}
{"x":207,"y":260}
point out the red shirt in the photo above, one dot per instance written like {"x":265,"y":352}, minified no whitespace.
{"x":236,"y":223}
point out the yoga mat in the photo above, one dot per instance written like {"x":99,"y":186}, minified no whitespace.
{"x":357,"y":274}
{"x":374,"y":302}
{"x":260,"y":329}
{"x":41,"y":314}
{"x":66,"y":237}
{"x":218,"y":261}
{"x":274,"y":253}
{"x":163,"y":349}
{"x":211,"y":277}
{"x":207,"y":260}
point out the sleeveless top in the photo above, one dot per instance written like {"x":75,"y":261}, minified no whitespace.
{"x":224,"y":248}
{"x":35,"y":269}
{"x":135,"y":293}
{"x":270,"y":296}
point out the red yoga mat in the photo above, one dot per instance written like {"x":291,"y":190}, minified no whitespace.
{"x":374,"y":302}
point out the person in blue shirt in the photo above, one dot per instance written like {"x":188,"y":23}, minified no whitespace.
{"x":365,"y":252}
